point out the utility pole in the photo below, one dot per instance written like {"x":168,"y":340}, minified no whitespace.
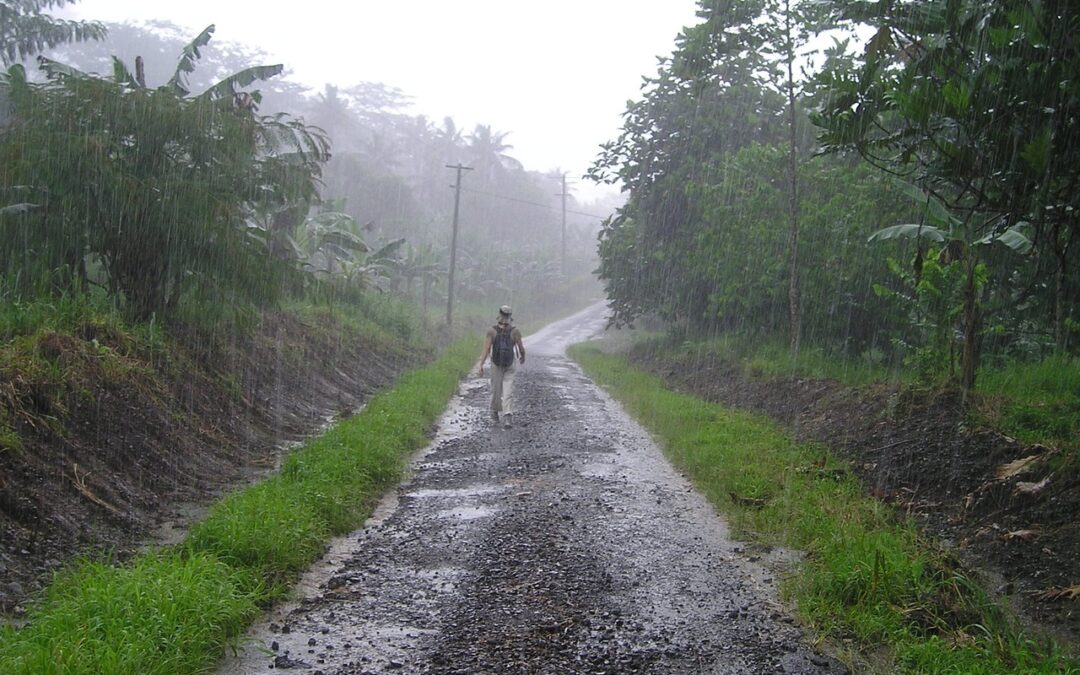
{"x":453,"y":241}
{"x":564,"y":195}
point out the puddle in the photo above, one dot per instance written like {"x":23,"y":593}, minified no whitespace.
{"x":467,"y":513}
{"x":597,"y":470}
{"x":455,"y":493}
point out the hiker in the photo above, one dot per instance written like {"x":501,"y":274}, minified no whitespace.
{"x":501,"y":342}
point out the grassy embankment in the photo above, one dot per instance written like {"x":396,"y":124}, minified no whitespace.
{"x":1034,"y":402}
{"x":176,"y":610}
{"x":866,"y":580}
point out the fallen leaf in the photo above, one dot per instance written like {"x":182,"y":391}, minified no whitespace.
{"x":1023,"y":488}
{"x":1016,"y":467}
{"x":1025,"y":535}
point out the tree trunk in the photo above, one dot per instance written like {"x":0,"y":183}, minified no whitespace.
{"x":969,"y":362}
{"x":1061,"y":252}
{"x":427,"y":291}
{"x":794,"y":299}
{"x":1059,"y":310}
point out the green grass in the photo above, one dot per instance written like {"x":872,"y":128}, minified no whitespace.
{"x":867,"y":577}
{"x":89,"y":315}
{"x":768,"y":357}
{"x":164,"y":613}
{"x":1034,"y":402}
{"x":176,"y":611}
{"x":374,"y":315}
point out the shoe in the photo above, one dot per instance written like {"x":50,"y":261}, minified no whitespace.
{"x":506,"y":422}
{"x":495,"y":416}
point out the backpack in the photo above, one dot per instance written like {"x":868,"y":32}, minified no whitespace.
{"x":502,"y":347}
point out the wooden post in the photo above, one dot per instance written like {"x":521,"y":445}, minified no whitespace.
{"x":453,"y":242}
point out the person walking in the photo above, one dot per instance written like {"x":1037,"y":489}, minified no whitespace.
{"x":501,"y":342}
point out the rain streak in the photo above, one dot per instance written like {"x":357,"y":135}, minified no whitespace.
{"x":320,"y":374}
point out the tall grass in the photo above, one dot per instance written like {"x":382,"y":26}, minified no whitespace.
{"x":769,"y":357}
{"x":76,"y":312}
{"x":373,"y":315}
{"x":1035,"y":402}
{"x":165,"y":613}
{"x":867,"y":576}
{"x":177,"y":610}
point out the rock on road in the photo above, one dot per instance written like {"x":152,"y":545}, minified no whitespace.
{"x":566,"y":544}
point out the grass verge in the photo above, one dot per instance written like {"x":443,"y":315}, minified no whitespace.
{"x":868,"y":579}
{"x":177,"y":610}
{"x":1034,"y":402}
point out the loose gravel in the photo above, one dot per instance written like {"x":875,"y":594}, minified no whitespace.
{"x":565,"y":544}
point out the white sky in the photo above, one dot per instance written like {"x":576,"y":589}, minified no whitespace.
{"x":554,"y":74}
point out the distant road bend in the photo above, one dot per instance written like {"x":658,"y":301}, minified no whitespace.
{"x":566,"y":544}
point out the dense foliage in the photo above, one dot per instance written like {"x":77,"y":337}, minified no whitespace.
{"x":203,"y":192}
{"x":25,"y":29}
{"x":148,"y":192}
{"x":932,"y":212}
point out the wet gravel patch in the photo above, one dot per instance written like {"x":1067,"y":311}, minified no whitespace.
{"x":565,"y":544}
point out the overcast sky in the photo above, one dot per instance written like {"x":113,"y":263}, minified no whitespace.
{"x":554,"y":74}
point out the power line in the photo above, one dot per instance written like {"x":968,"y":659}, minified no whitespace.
{"x":525,"y":201}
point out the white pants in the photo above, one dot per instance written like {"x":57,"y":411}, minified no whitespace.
{"x":502,"y":387}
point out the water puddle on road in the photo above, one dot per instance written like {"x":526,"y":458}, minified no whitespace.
{"x":467,"y":513}
{"x":597,"y":470}
{"x":455,"y":493}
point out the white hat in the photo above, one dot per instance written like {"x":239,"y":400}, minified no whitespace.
{"x":505,"y":309}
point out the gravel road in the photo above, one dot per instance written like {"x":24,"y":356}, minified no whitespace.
{"x":566,"y":544}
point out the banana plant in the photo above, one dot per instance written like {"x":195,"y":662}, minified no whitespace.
{"x":374,"y":270}
{"x":417,"y":263}
{"x":331,"y":245}
{"x":946,"y":228}
{"x":327,"y":241}
{"x":959,"y":244}
{"x":168,"y":190}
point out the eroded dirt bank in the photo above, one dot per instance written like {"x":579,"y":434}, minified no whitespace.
{"x":139,"y":453}
{"x":565,"y":544}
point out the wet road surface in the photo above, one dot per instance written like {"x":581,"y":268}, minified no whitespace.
{"x":565,"y":544}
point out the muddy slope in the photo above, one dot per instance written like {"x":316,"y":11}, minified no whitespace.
{"x":918,"y":455}
{"x":149,"y":447}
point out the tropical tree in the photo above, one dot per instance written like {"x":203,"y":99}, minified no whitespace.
{"x":164,"y":191}
{"x":487,"y":152}
{"x":705,"y":103}
{"x":25,"y":30}
{"x":333,"y":113}
{"x":978,"y":105}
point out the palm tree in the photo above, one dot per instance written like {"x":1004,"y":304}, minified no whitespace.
{"x":332,"y":112}
{"x":450,"y":141}
{"x":488,"y":153}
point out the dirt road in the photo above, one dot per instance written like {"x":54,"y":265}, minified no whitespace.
{"x":565,"y":544}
